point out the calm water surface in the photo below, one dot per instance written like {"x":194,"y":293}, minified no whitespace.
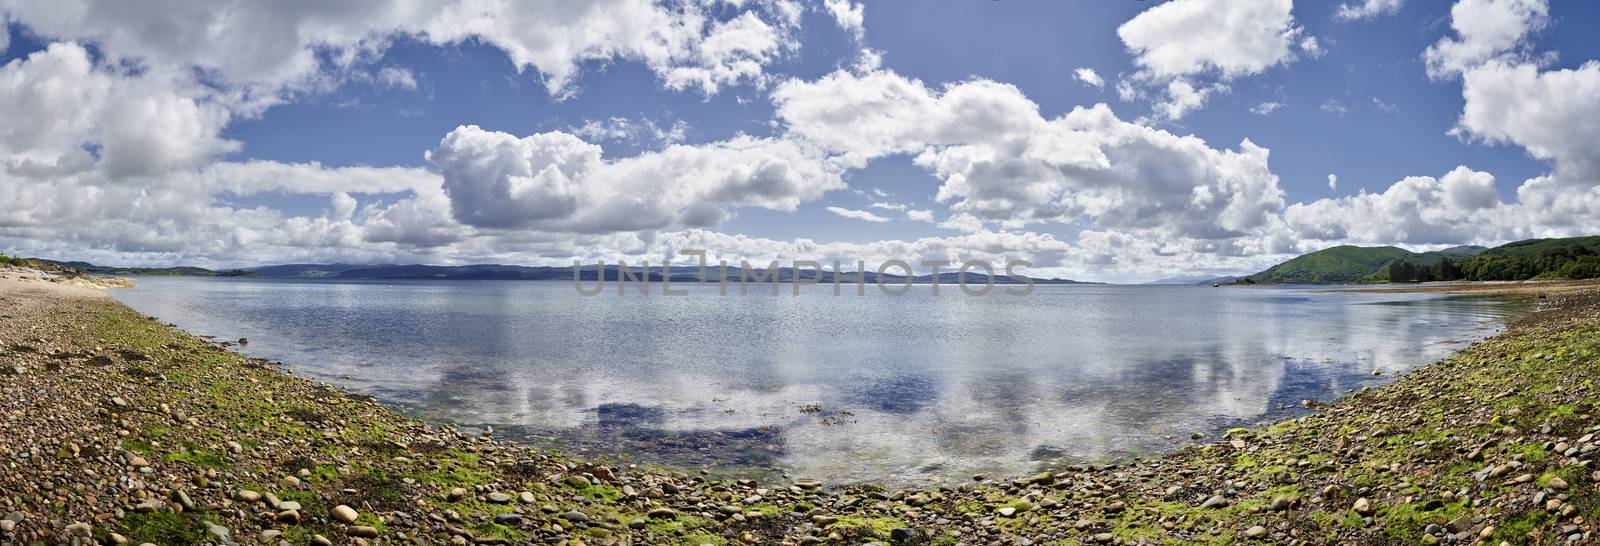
{"x":910,"y":389}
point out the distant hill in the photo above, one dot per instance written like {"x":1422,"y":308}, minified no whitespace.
{"x":1192,"y":280}
{"x":92,"y":269}
{"x":1571,"y":258}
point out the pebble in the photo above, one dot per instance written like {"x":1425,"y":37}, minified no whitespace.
{"x":1255,"y":532}
{"x":344,"y":514}
{"x":1363,"y":506}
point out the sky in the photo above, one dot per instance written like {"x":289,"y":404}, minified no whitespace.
{"x":1115,"y":141}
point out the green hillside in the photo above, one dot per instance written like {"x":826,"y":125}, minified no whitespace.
{"x":1569,"y":258}
{"x":1332,"y":265}
{"x":1536,"y":248}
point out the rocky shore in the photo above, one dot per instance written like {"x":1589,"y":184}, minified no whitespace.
{"x":117,"y":429}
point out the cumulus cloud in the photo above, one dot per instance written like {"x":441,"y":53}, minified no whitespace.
{"x":1178,"y":45}
{"x":1485,"y":30}
{"x":1460,"y":206}
{"x":267,"y":47}
{"x":1551,"y":113}
{"x":1089,"y":77}
{"x":555,"y":181}
{"x":1367,"y":9}
{"x":1230,"y":37}
{"x":1333,"y":182}
{"x":57,"y":101}
{"x":856,"y":214}
{"x":1000,"y":160}
{"x":920,"y":215}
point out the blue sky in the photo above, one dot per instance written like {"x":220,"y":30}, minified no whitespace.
{"x":1351,"y":96}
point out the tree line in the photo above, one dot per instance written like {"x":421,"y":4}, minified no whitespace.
{"x":1560,"y":262}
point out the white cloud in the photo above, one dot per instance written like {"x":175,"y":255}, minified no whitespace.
{"x":889,"y":206}
{"x":1000,"y":160}
{"x":1367,"y":9}
{"x":1333,"y":106}
{"x":555,"y":181}
{"x":1311,"y":48}
{"x":1551,"y":113}
{"x":1485,"y":30}
{"x":1089,"y":77}
{"x":963,"y":222}
{"x":266,"y":47}
{"x":396,"y":77}
{"x":1180,"y":45}
{"x":1192,"y":37}
{"x":857,"y":214}
{"x":920,"y":215}
{"x":1333,"y":182}
{"x":57,"y":101}
{"x":1182,"y":98}
{"x":642,"y":130}
{"x":849,"y":15}
{"x":1265,"y":108}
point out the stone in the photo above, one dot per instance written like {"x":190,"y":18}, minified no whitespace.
{"x":222,"y":533}
{"x":526,"y":497}
{"x":575,"y":516}
{"x":456,"y":494}
{"x":269,"y":535}
{"x":246,"y":495}
{"x":80,"y":529}
{"x":1216,"y":501}
{"x":661,"y":513}
{"x":1255,"y":532}
{"x":1363,"y":506}
{"x":363,"y":531}
{"x":344,"y":514}
{"x":508,"y":519}
{"x":1007,"y":511}
{"x":499,"y":498}
{"x":1558,"y":484}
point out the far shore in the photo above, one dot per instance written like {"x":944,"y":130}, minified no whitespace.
{"x":117,"y":428}
{"x":1524,"y":288}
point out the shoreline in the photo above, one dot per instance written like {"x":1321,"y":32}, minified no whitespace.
{"x":90,"y":388}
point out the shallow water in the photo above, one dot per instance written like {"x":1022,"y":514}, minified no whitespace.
{"x":846,"y":388}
